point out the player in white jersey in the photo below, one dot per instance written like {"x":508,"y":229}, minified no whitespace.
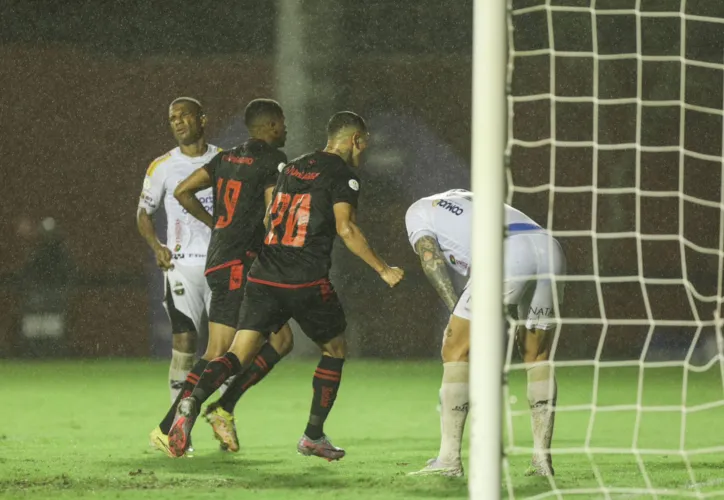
{"x":439,"y":229}
{"x":183,"y":256}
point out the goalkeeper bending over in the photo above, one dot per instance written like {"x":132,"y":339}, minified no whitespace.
{"x":439,"y":229}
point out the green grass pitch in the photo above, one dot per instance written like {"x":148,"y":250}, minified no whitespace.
{"x":80,"y":429}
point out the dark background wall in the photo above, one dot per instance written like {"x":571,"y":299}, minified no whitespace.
{"x":83,"y":112}
{"x":85,"y":87}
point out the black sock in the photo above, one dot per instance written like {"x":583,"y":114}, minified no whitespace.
{"x":326,"y":382}
{"x":191,"y":380}
{"x":216,"y":372}
{"x":263,"y":364}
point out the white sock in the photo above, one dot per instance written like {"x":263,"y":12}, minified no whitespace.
{"x":542,"y":395}
{"x":181,"y":364}
{"x":454,"y":401}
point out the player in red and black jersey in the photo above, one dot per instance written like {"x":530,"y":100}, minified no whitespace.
{"x":243,"y":180}
{"x":315,"y":200}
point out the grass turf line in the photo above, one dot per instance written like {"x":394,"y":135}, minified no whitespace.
{"x":80,"y":429}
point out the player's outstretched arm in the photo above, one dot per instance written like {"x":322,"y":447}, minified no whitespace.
{"x":185,"y":194}
{"x":356,"y":242}
{"x":433,"y":263}
{"x":144,"y":222}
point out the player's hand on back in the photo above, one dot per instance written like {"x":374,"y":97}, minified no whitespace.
{"x":392,"y":275}
{"x":163,"y":257}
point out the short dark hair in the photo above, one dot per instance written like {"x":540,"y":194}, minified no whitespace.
{"x":345,"y":119}
{"x":191,"y":100}
{"x":261,"y":108}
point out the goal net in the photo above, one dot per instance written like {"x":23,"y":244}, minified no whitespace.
{"x":615,"y":146}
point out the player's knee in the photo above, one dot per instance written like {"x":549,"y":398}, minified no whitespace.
{"x":216,"y":348}
{"x":184,"y":342}
{"x":220,"y":339}
{"x":282,"y":341}
{"x":335,"y":348}
{"x":455,"y":346}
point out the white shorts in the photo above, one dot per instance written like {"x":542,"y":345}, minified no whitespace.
{"x":463,"y":309}
{"x":186,"y":296}
{"x":532,"y":260}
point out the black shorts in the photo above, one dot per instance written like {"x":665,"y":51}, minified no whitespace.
{"x":180,"y":323}
{"x":227,"y":290}
{"x":316,"y":307}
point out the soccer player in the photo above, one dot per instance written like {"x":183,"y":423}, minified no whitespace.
{"x":243,"y":179}
{"x":315,"y":200}
{"x":186,"y":291}
{"x":439,"y":229}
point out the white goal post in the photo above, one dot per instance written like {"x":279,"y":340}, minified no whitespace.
{"x":487,"y":156}
{"x":603,"y":120}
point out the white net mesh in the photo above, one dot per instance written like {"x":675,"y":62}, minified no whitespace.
{"x":615,"y":144}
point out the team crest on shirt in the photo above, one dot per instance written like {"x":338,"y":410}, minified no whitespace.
{"x":177,"y":248}
{"x":178,"y":288}
{"x":354,"y":184}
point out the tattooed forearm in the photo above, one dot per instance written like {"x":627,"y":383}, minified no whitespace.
{"x":433,"y":263}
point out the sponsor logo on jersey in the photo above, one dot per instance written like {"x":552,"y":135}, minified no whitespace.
{"x":354,"y":184}
{"x":305,"y":176}
{"x":206,"y":201}
{"x":239,"y":160}
{"x":449,"y":206}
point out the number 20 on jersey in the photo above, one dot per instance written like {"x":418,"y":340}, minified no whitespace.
{"x":290,"y":218}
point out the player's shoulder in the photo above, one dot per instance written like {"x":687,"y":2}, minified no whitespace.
{"x":334,"y":166}
{"x":347,"y":174}
{"x":159,"y":163}
{"x":278,"y":159}
{"x":338,"y":172}
{"x":454,"y":194}
{"x":455,"y":201}
{"x":311,"y":159}
{"x":260,"y":151}
{"x":419,"y":207}
{"x":213,"y":150}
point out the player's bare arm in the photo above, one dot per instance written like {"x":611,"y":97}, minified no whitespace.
{"x":268,"y":196}
{"x":185,"y":193}
{"x":144,"y":222}
{"x":435,"y":268}
{"x":356,"y":242}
